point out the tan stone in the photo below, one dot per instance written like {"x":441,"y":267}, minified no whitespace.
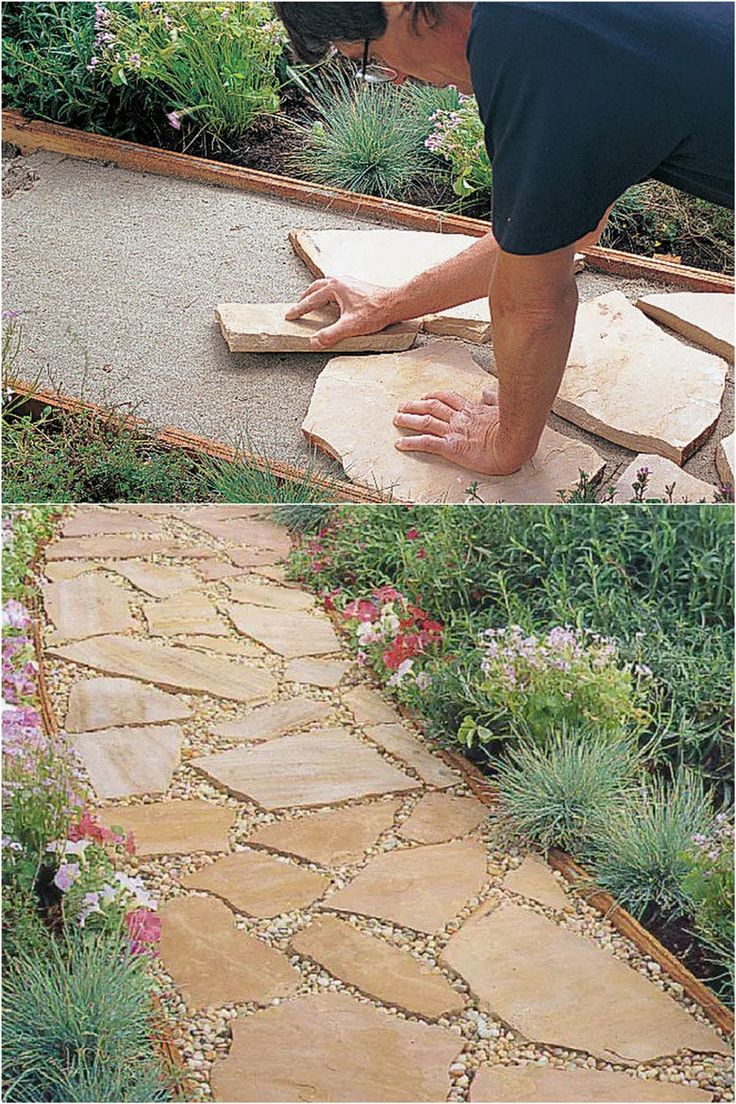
{"x":288,"y":634}
{"x":87,"y":606}
{"x":666,"y":481}
{"x":544,"y":1083}
{"x":377,"y":968}
{"x":398,"y":741}
{"x":195,"y":515}
{"x":158,"y":580}
{"x":326,"y":673}
{"x":632,"y":383}
{"x":534,"y":879}
{"x":277,"y":572}
{"x":113,"y":702}
{"x":212,"y":962}
{"x":331,"y":1047}
{"x":255,"y":557}
{"x":254,"y":593}
{"x":147,"y":509}
{"x":173,"y":827}
{"x":725,"y":460}
{"x":222,"y":644}
{"x":68,"y":569}
{"x":370,"y":707}
{"x":275,"y":720}
{"x":365,"y":446}
{"x":419,"y":887}
{"x":170,"y":668}
{"x":188,"y":612}
{"x":263,"y":328}
{"x":92,"y":523}
{"x":214,"y":570}
{"x":311,"y":769}
{"x":125,"y":761}
{"x":439,"y":817}
{"x":704,"y":317}
{"x":259,"y":885}
{"x":80,"y":548}
{"x":515,"y":962}
{"x":256,"y":534}
{"x":332,"y":839}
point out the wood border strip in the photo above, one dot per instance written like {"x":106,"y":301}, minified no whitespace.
{"x":30,"y":135}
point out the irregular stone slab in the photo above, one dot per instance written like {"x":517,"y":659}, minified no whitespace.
{"x":171,"y":668}
{"x":189,"y":612}
{"x":258,"y":884}
{"x":158,"y":580}
{"x":214,"y":570}
{"x":252,"y":532}
{"x":92,"y":523}
{"x":210,"y":512}
{"x":80,"y":548}
{"x":173,"y":827}
{"x":331,"y":1047}
{"x":398,"y":741}
{"x":255,"y":557}
{"x":377,"y":968}
{"x":439,"y":817}
{"x":369,"y":707}
{"x":535,"y":880}
{"x":261,"y":594}
{"x":213,"y":963}
{"x":326,"y":673}
{"x":664,"y":477}
{"x":704,"y":317}
{"x":125,"y":761}
{"x":275,"y":720}
{"x":561,"y":989}
{"x":222,"y":644}
{"x":87,"y":606}
{"x":377,"y":385}
{"x":311,"y":769}
{"x":544,"y":1083}
{"x":420,"y":887}
{"x":288,"y":634}
{"x":277,"y":572}
{"x":263,"y":328}
{"x":114,"y":702}
{"x":148,"y":509}
{"x":725,"y":460}
{"x":332,"y":839}
{"x":632,"y":383}
{"x":67,"y":569}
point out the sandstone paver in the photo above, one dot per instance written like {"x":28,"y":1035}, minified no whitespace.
{"x":110,"y":547}
{"x":331,"y":838}
{"x":255,"y":593}
{"x":214,"y":570}
{"x":176,"y":827}
{"x":95,"y":522}
{"x":289,"y":634}
{"x":705,"y":317}
{"x":188,"y":612}
{"x":258,"y":884}
{"x":666,"y":481}
{"x":225,"y":645}
{"x":68,"y":569}
{"x":725,"y":460}
{"x":398,"y":741}
{"x":262,"y":327}
{"x":369,"y":707}
{"x":158,"y":580}
{"x":438,"y":817}
{"x":275,"y":720}
{"x":125,"y":761}
{"x":534,"y":879}
{"x":326,"y":673}
{"x":544,"y":1083}
{"x":87,"y":606}
{"x":255,"y":557}
{"x":256,"y":534}
{"x":113,"y":702}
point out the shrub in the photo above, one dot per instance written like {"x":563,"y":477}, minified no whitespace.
{"x":23,"y":529}
{"x":302,"y":517}
{"x":458,"y":137}
{"x":709,"y":887}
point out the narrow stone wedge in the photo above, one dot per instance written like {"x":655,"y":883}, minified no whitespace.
{"x":534,"y":879}
{"x":125,"y":761}
{"x":665,"y":481}
{"x":274,"y":720}
{"x":113,"y":702}
{"x":263,"y":328}
{"x":398,"y":741}
{"x":288,"y":634}
{"x":704,"y":317}
{"x":259,"y":884}
{"x":173,"y":827}
{"x":87,"y":606}
{"x":369,"y":707}
{"x":531,"y":1084}
{"x":333,"y":838}
{"x":275,"y":597}
{"x":725,"y":460}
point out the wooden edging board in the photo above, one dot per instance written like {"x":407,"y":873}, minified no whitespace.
{"x":30,"y":135}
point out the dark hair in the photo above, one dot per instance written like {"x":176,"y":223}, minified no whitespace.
{"x":312,"y":28}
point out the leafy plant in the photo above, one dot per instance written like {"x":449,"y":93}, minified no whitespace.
{"x":23,"y":529}
{"x":709,"y":887}
{"x":458,"y":137}
{"x":233,"y":481}
{"x":302,"y":518}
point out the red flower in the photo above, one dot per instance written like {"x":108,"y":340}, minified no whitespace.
{"x":88,"y":828}
{"x":362,"y":608}
{"x":387,"y":594}
{"x":144,"y":928}
{"x":421,"y":553}
{"x":412,"y":534}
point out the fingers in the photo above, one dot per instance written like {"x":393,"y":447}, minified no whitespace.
{"x":312,"y":299}
{"x":345,"y":327}
{"x":437,"y":446}
{"x":433,"y":407}
{"x":449,"y":398}
{"x":422,"y":423}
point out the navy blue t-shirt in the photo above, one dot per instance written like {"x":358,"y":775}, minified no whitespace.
{"x":582,"y":100}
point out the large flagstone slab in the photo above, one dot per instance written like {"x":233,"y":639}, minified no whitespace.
{"x":108,"y":547}
{"x":213,"y":963}
{"x":171,"y":668}
{"x":310,"y":769}
{"x":87,"y":606}
{"x":331,"y":1047}
{"x":188,"y":612}
{"x":558,"y":988}
{"x":419,"y":887}
{"x":259,"y":884}
{"x":326,"y":673}
{"x":158,"y":580}
{"x":377,"y":968}
{"x":113,"y":702}
{"x":68,"y":569}
{"x":544,"y":1083}
{"x":369,"y":707}
{"x":439,"y":817}
{"x":332,"y":839}
{"x":704,"y":317}
{"x":225,"y":645}
{"x":665,"y":481}
{"x":289,"y":634}
{"x":125,"y":761}
{"x":173,"y":827}
{"x":631,"y":382}
{"x":398,"y":741}
{"x":725,"y":460}
{"x":263,"y":328}
{"x":254,"y":532}
{"x":534,"y":879}
{"x":94,"y":522}
{"x":274,"y":720}
{"x":378,"y":385}
{"x":254,"y":593}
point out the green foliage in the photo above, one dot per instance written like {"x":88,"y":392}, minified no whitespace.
{"x":237,"y":482}
{"x":709,"y":887}
{"x":458,"y":137}
{"x":23,"y":529}
{"x":302,"y":518}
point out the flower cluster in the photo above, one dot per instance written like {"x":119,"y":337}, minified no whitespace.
{"x":457,"y":136}
{"x":392,"y":635}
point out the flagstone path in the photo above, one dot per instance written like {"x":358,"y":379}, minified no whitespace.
{"x":340,"y":919}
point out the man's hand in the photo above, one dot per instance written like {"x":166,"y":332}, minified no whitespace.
{"x":364,"y":309}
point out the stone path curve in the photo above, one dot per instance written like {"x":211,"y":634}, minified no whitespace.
{"x":340,"y":920}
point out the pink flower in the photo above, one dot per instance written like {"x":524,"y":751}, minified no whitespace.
{"x":412,"y":534}
{"x":144,"y":928}
{"x":15,"y":615}
{"x":174,"y":119}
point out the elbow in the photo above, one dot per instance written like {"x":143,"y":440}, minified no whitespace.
{"x":539,"y":313}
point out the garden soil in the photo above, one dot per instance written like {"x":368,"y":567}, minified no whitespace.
{"x":117,"y":273}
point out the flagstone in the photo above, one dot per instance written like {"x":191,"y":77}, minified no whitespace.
{"x":419,"y":887}
{"x":331,"y":1047}
{"x":86,"y":606}
{"x":365,"y":446}
{"x":276,"y":571}
{"x":631,"y":382}
{"x":369,"y":707}
{"x":212,"y":962}
{"x":188,"y":612}
{"x":275,"y":720}
{"x":377,"y":968}
{"x":87,"y":523}
{"x":171,"y":668}
{"x":173,"y":827}
{"x":534,"y":879}
{"x":158,"y":580}
{"x":110,"y":547}
{"x":125,"y":761}
{"x":665,"y":480}
{"x":263,"y":327}
{"x":113,"y":702}
{"x":148,"y":509}
{"x":210,"y":512}
{"x":326,"y":673}
{"x":439,"y":817}
{"x":214,"y":570}
{"x":254,"y":593}
{"x":68,"y":569}
{"x":255,"y":557}
{"x":225,"y":645}
{"x":289,"y":634}
{"x":545,"y":1083}
{"x":725,"y":460}
{"x":334,"y":838}
{"x":704,"y":317}
{"x":398,"y":741}
{"x":513,"y":959}
{"x":253,"y":532}
{"x":310,"y":769}
{"x":258,"y":884}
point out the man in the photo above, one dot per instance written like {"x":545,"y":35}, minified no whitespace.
{"x":579,"y":101}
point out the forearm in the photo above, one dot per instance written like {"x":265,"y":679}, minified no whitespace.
{"x":459,"y":280}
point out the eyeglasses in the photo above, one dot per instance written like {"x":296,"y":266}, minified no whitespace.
{"x":371,"y":72}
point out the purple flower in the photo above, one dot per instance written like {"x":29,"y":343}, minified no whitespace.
{"x":66,"y":876}
{"x":15,"y":615}
{"x":93,"y":62}
{"x":10,"y":315}
{"x":174,"y":119}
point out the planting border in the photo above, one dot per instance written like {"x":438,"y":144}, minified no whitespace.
{"x":30,"y":135}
